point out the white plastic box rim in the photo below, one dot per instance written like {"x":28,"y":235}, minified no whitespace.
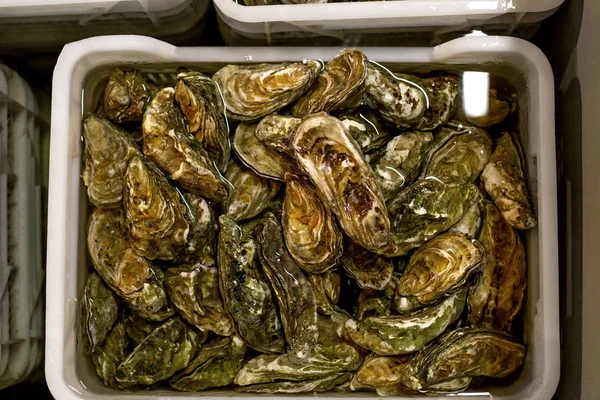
{"x":65,"y":219}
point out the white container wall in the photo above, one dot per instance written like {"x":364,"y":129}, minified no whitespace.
{"x":82,"y":66}
{"x":407,"y":22}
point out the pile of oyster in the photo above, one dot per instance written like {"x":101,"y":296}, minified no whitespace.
{"x":363,"y":234}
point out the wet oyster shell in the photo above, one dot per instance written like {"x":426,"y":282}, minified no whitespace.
{"x":145,"y":365}
{"x":194,"y":291}
{"x":498,"y":294}
{"x":367,"y":129}
{"x":215,"y":365}
{"x":327,"y":290}
{"x":450,"y":386}
{"x":464,"y":353}
{"x":443,"y":93}
{"x":426,"y":208}
{"x":256,"y":155}
{"x":277,"y":132}
{"x":339,"y":85}
{"x":504,"y":180}
{"x":156,"y":218}
{"x":202,"y":105}
{"x":126,"y":95}
{"x":99,"y":311}
{"x":293,"y":292}
{"x":169,"y":145}
{"x":311,"y":233}
{"x":138,"y":328}
{"x":343,"y":179}
{"x":151,"y":302}
{"x":402,"y":334}
{"x":376,"y":303}
{"x":107,"y":152}
{"x":246,"y":295}
{"x":497,"y":111}
{"x":201,"y":245}
{"x":440,"y":266}
{"x":319,"y":385}
{"x":470,"y":223}
{"x":110,"y":354}
{"x":461,"y":155}
{"x":370,"y":270}
{"x":253,"y":91}
{"x":383,"y":374}
{"x":251,"y":193}
{"x":401,"y":161}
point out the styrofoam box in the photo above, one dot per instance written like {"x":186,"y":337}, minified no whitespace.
{"x":377,"y":22}
{"x":79,"y":73}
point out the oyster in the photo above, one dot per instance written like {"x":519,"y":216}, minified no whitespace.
{"x":126,"y":95}
{"x":318,"y":385}
{"x":497,"y":111}
{"x":343,"y":179}
{"x":151,"y":302}
{"x":311,"y":233}
{"x":401,"y":161}
{"x":323,"y":296}
{"x":202,"y":105}
{"x":450,"y":386}
{"x":470,"y":223}
{"x":194,"y":291}
{"x":443,"y":93}
{"x":145,"y":365}
{"x":461,"y":155}
{"x":293,"y":292}
{"x":245,"y":294}
{"x":256,"y":155}
{"x":504,"y":180}
{"x":498,"y":294}
{"x":426,"y":208}
{"x":370,"y":270}
{"x":440,"y":266}
{"x":110,"y":354}
{"x":201,"y":244}
{"x":107,"y":152}
{"x":366,"y":128}
{"x":464,"y":353}
{"x":99,"y":311}
{"x":339,"y":85}
{"x":277,"y":132}
{"x":253,"y":91}
{"x":383,"y":374}
{"x":156,"y":218}
{"x":169,"y":145}
{"x":376,"y":303}
{"x":402,"y":334}
{"x":138,"y":328}
{"x":215,"y":365}
{"x":251,"y":193}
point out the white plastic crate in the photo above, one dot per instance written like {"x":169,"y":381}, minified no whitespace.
{"x":21,"y":250}
{"x":28,"y":24}
{"x":407,"y":22}
{"x":79,"y":72}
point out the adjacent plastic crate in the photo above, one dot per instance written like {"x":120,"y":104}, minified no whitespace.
{"x":406,"y":22}
{"x":37,"y":24}
{"x":79,"y":73}
{"x":21,"y":229}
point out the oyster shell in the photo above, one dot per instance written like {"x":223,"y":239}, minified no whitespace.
{"x":327,"y":290}
{"x":256,"y":155}
{"x":202,"y":105}
{"x":450,"y":386}
{"x":461,"y":155}
{"x":470,"y":223}
{"x":497,"y":111}
{"x":251,"y":193}
{"x":504,"y":180}
{"x":110,"y":354}
{"x":277,"y":132}
{"x":498,"y":294}
{"x":138,"y":328}
{"x":402,"y":334}
{"x":440,"y":266}
{"x":107,"y":152}
{"x":145,"y":365}
{"x":293,"y":292}
{"x":343,"y":179}
{"x":151,"y":302}
{"x":464,"y":353}
{"x":339,"y":85}
{"x":156,"y":218}
{"x":443,"y":93}
{"x":169,"y":145}
{"x":401,"y":161}
{"x":126,"y":95}
{"x":370,"y":270}
{"x":245,"y":294}
{"x":194,"y":291}
{"x":201,"y":244}
{"x":367,"y":129}
{"x":253,"y":91}
{"x":99,"y":311}
{"x":426,"y":208}
{"x":383,"y":374}
{"x":318,"y":385}
{"x":215,"y":365}
{"x":376,"y":303}
{"x":311,"y":233}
